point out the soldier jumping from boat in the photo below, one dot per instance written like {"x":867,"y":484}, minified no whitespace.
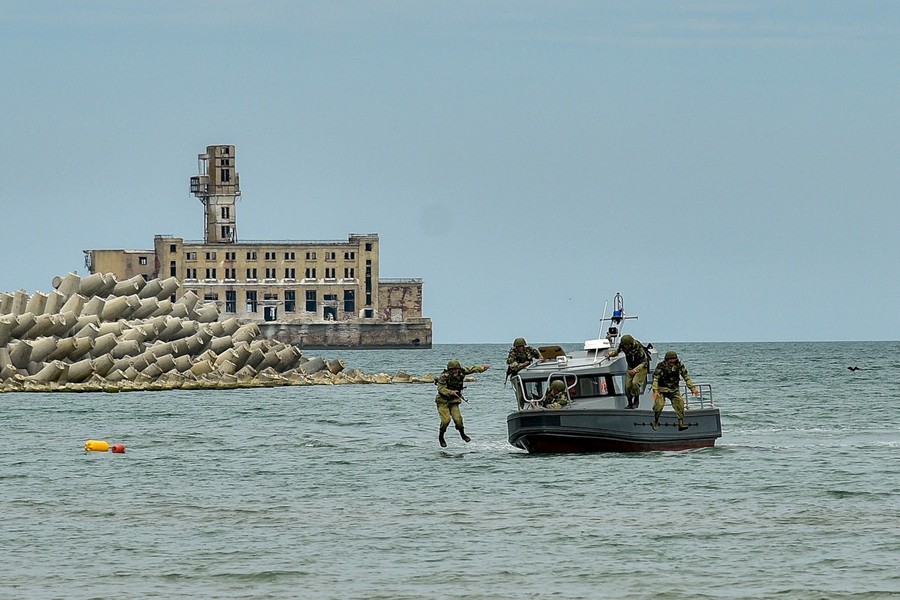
{"x":449,"y":397}
{"x":665,"y":387}
{"x":638,"y":360}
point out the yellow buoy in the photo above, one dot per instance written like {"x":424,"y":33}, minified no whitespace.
{"x":96,"y":446}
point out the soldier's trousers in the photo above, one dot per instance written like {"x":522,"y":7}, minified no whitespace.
{"x":450,"y":411}
{"x":634,"y":384}
{"x":675,"y":399}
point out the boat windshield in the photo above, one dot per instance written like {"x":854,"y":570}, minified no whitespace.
{"x":588,"y":386}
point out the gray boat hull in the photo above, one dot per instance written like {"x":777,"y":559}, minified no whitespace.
{"x":611,"y":430}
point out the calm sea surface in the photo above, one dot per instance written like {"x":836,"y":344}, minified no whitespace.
{"x":343,"y":491}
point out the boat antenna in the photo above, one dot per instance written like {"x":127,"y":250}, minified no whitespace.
{"x":602,"y":320}
{"x":615,"y":321}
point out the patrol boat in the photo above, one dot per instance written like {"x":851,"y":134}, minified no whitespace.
{"x":596,"y":419}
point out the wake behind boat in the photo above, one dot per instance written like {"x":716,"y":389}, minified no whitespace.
{"x":595,"y":417}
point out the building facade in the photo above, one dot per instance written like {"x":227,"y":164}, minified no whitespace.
{"x":282,"y":282}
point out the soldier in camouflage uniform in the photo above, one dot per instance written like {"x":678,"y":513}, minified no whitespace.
{"x":449,"y":396}
{"x":520,"y":356}
{"x":556,"y":395}
{"x":638,"y":360}
{"x":665,"y":386}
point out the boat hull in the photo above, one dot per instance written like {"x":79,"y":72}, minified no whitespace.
{"x":610,"y":430}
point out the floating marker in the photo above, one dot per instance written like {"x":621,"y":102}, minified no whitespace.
{"x":118,"y":449}
{"x":96,"y":446}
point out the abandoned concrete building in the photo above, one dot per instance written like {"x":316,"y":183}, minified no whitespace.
{"x":317,"y":294}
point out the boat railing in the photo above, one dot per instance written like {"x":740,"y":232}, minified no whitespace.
{"x":704,"y":400}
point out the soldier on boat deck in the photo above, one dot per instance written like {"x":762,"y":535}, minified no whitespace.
{"x":519,"y":357}
{"x":665,"y":386}
{"x":555,"y":396}
{"x":449,"y":396}
{"x":638,"y":360}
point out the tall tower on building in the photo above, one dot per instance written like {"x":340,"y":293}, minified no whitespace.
{"x":218,"y":188}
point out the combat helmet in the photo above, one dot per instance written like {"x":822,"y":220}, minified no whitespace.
{"x":627,"y":340}
{"x":454,"y":364}
{"x":671,"y":354}
{"x":519,"y":342}
{"x":558,"y":385}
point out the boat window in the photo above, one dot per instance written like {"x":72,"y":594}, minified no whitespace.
{"x":598,"y":385}
{"x":534,"y":390}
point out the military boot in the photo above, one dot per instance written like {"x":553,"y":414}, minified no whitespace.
{"x":441,"y":438}
{"x":682,"y":425}
{"x":655,"y":424}
{"x":462,"y":434}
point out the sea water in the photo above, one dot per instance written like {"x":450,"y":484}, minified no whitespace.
{"x":344,"y":492}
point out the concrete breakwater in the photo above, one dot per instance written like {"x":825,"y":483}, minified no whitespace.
{"x":99,"y":334}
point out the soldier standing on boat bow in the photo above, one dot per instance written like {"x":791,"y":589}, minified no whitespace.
{"x":449,"y":396}
{"x":638,"y":360}
{"x":665,"y":386}
{"x":519,"y":357}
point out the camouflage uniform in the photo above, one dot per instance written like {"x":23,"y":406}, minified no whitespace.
{"x":665,"y":382}
{"x":449,"y":396}
{"x":519,"y":357}
{"x":555,"y":398}
{"x":638,"y":360}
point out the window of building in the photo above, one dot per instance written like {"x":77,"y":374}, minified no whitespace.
{"x":311,"y":273}
{"x":142,"y":260}
{"x":210,"y":296}
{"x":310,"y":256}
{"x":369,"y":299}
{"x":270,"y":256}
{"x":226,"y":232}
{"x":349,"y":255}
{"x":270,"y":296}
{"x":190,"y":256}
{"x":172,"y":248}
{"x":290,"y":273}
{"x":270,"y":273}
{"x":190,"y":273}
{"x":226,"y":174}
{"x":230,"y":301}
{"x":349,"y":301}
{"x":231,"y":274}
{"x":251,"y":255}
{"x":329,"y":273}
{"x":349,"y":273}
{"x":311,"y":301}
{"x":290,"y":301}
{"x":290,"y":256}
{"x":368,"y":246}
{"x":251,"y":274}
{"x":331,"y":256}
{"x":210,"y":256}
{"x":230,"y":256}
{"x":173,"y":270}
{"x":226,"y":212}
{"x":252,"y":303}
{"x":210,"y":273}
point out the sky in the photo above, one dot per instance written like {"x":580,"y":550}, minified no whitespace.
{"x":730,"y":167}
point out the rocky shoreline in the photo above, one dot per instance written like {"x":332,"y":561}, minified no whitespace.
{"x":97,"y":334}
